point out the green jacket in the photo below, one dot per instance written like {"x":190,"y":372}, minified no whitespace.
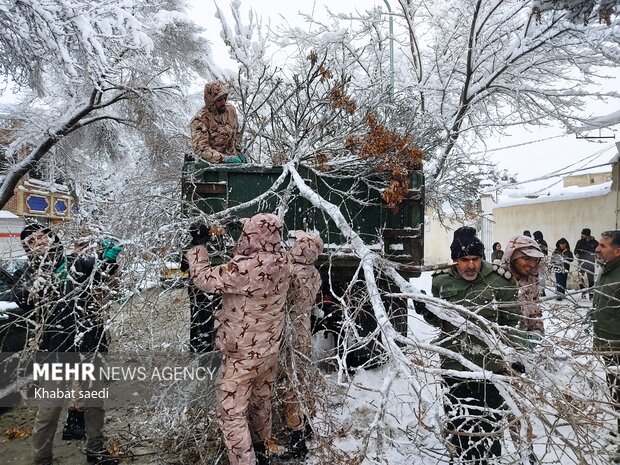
{"x":494,"y":285}
{"x":606,"y":306}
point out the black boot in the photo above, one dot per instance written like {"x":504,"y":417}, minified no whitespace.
{"x":297,"y":448}
{"x":102,"y":457}
{"x":262,"y":458}
{"x":74,"y":427}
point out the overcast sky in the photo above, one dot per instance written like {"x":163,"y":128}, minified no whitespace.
{"x":527,"y":161}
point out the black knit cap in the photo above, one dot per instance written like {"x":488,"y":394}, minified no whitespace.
{"x":466,"y":243}
{"x":32,"y":228}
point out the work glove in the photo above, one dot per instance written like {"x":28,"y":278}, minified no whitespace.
{"x":234,"y":223}
{"x":200,"y":234}
{"x":111,"y":249}
{"x":239,"y":158}
{"x":420,"y":308}
{"x":518,"y":367}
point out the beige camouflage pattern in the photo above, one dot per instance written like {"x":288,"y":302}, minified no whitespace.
{"x":215,"y":134}
{"x":528,"y":285}
{"x":253,"y":285}
{"x":305,"y":285}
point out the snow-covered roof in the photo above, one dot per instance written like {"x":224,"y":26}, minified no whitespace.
{"x":603,"y":121}
{"x":566,"y":193}
{"x":7,"y":214}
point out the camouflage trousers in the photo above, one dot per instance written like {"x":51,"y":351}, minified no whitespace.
{"x":293,"y":371}
{"x":244,"y":404}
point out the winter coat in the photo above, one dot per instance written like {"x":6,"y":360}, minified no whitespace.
{"x":560,"y":261}
{"x":585,"y":253}
{"x":253,"y":285}
{"x":93,"y":280}
{"x":215,"y":134}
{"x":497,"y":255}
{"x":528,"y":285}
{"x":606,"y":307}
{"x":544,"y":247}
{"x":305,"y":285}
{"x":60,"y":290}
{"x":40,"y":287}
{"x":493,"y":284}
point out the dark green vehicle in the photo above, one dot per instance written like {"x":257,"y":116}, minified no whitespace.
{"x":395,"y":233}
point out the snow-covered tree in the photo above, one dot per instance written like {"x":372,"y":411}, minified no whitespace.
{"x":88,"y":77}
{"x":463,"y":71}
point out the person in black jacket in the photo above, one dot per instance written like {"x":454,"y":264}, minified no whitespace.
{"x":586,"y":258}
{"x":49,"y":286}
{"x":94,"y":273}
{"x":561,"y":259}
{"x":544,"y":248}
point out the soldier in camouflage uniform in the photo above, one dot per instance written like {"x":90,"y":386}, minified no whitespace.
{"x":215,"y":129}
{"x":253,"y":285}
{"x":305,"y":285}
{"x":473,"y":406}
{"x":522,"y":258}
{"x":606,"y":311}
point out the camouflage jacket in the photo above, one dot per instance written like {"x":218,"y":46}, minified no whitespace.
{"x":305,"y":285}
{"x":215,"y":134}
{"x":253,"y":285}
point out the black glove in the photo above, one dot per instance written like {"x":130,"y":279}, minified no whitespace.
{"x":518,"y":367}
{"x":233,"y":223}
{"x":420,"y":307}
{"x":200,"y":234}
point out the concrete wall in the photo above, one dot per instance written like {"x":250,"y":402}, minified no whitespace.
{"x":437,"y":239}
{"x":556,"y":219}
{"x":588,"y":179}
{"x":10,"y":228}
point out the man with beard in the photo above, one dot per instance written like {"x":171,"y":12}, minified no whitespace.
{"x":473,"y":404}
{"x":605,"y":312}
{"x":215,"y":129}
{"x":48,"y":285}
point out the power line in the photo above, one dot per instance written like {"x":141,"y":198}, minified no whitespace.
{"x":561,"y":172}
{"x":521,"y":144}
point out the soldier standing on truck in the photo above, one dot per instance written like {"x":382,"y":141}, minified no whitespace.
{"x":215,"y":138}
{"x":215,"y":129}
{"x":253,"y":285}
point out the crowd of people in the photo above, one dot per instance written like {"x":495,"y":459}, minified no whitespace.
{"x":559,"y":262}
{"x":473,"y":404}
{"x":239,"y":309}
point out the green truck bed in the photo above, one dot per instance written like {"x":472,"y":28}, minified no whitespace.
{"x":397,"y":233}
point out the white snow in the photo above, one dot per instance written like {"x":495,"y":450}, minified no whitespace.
{"x":566,"y":193}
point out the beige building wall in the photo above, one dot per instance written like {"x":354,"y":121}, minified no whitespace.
{"x":588,"y":179}
{"x":565,"y":218}
{"x":437,"y":239}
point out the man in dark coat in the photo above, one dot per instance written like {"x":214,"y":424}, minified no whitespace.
{"x":473,"y":404}
{"x":94,"y":275}
{"x":586,"y":257}
{"x":606,"y":311}
{"x":46,"y":285}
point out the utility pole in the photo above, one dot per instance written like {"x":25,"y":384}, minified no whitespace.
{"x":391,"y":48}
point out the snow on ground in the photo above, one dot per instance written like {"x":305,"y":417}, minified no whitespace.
{"x":560,"y":370}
